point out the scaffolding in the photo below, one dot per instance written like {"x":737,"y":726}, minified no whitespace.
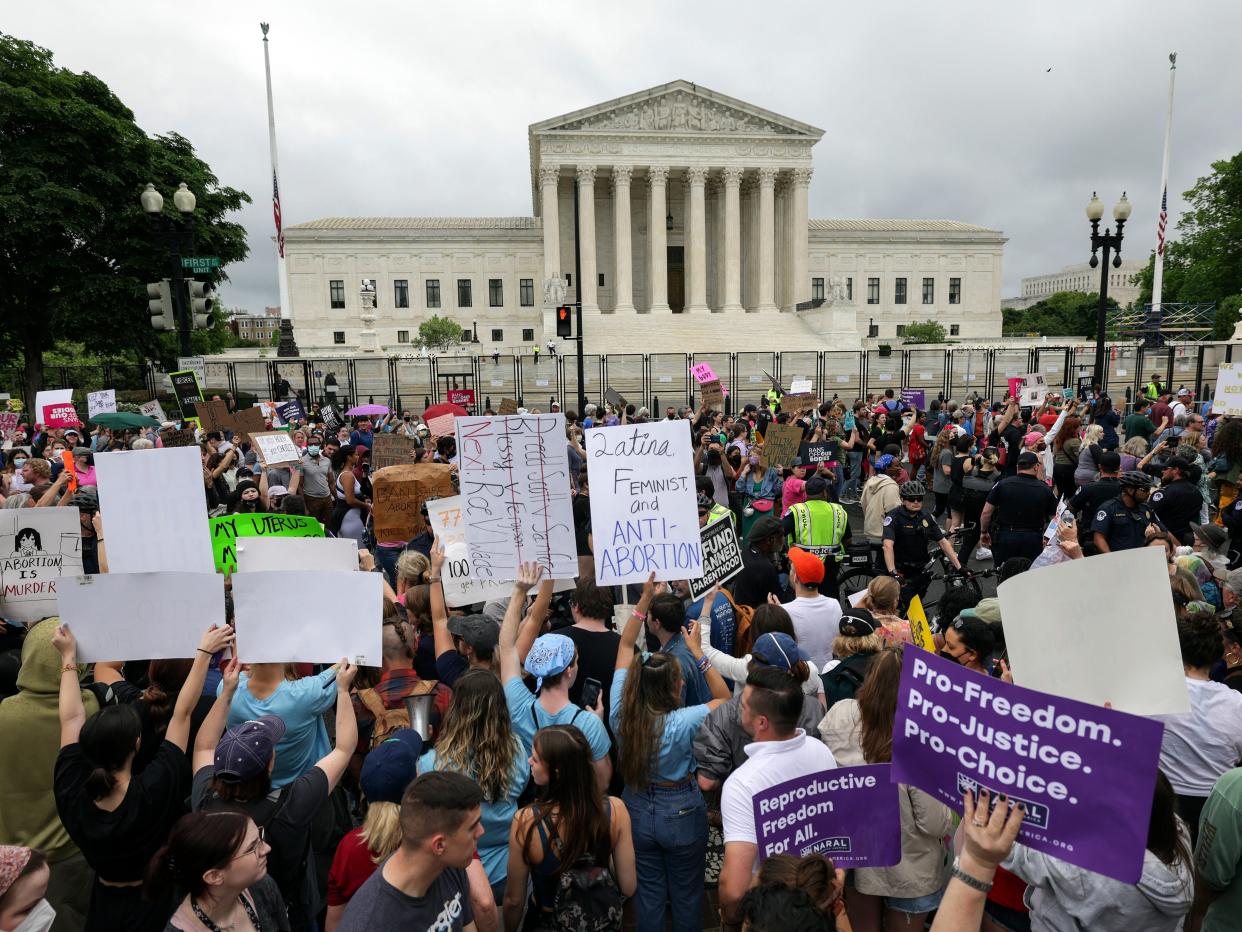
{"x":1175,"y":323}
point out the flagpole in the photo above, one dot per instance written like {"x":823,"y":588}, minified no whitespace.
{"x":287,"y":346}
{"x":1157,"y":279}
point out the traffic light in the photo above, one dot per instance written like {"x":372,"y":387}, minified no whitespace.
{"x":200,"y":303}
{"x":564,"y":326}
{"x":160,"y":304}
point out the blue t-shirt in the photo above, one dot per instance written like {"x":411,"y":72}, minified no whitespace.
{"x":675,"y":759}
{"x":366,"y":438}
{"x":724,"y":622}
{"x":497,"y":816}
{"x":300,"y":704}
{"x":521,"y":703}
{"x":694,"y":688}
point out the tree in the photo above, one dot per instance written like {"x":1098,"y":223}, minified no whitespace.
{"x":436,"y":334}
{"x":1064,"y":314}
{"x":77,"y":250}
{"x":1205,"y":263}
{"x":928,"y":331}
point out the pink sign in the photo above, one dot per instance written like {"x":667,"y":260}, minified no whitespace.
{"x":8,"y":424}
{"x":1015,"y":386}
{"x":62,"y":415}
{"x":703,"y":373}
{"x":442,"y":426}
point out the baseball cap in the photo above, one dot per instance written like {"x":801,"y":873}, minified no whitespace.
{"x":245,"y":750}
{"x":857,"y":623}
{"x":479,"y":631}
{"x":1027,"y":458}
{"x":764,"y":528}
{"x":1183,"y":393}
{"x":1110,"y":461}
{"x":1177,"y":462}
{"x":778,"y":650}
{"x":810,"y":568}
{"x":885,"y":461}
{"x":277,"y":490}
{"x":390,"y":766}
{"x":816,"y":486}
{"x":796,"y":461}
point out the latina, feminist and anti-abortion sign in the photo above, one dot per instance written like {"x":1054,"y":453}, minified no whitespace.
{"x":225,"y":531}
{"x":514,"y":480}
{"x":644,"y":510}
{"x":722,"y":557}
{"x":1084,"y":774}
{"x":850,"y":814}
{"x":37,"y":546}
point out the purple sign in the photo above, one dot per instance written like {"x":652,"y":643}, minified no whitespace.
{"x":850,"y":814}
{"x":1085,"y":774}
{"x":912,"y":396}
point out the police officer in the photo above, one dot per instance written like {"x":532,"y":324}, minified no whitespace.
{"x":908,"y":529}
{"x":1178,"y":501}
{"x":820,"y":527}
{"x":1088,"y":499}
{"x":711,"y":511}
{"x":1121,"y":523}
{"x":1018,"y":509}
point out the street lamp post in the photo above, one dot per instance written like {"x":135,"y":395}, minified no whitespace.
{"x":177,"y":237}
{"x":1108,"y":242}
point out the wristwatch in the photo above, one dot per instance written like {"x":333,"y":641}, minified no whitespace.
{"x":973,"y":882}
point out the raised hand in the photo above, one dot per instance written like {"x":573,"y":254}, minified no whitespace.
{"x":527,"y":576}
{"x":65,"y":643}
{"x":989,"y":839}
{"x":345,"y":673}
{"x":215,"y":639}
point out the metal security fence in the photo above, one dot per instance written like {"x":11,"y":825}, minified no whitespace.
{"x":660,"y":379}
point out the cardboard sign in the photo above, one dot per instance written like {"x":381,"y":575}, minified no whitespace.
{"x":154,"y":409}
{"x":703,"y":373}
{"x":214,"y":414}
{"x":507,"y":406}
{"x":60,"y":415}
{"x":51,"y":396}
{"x":179,"y":438}
{"x":514,"y":477}
{"x":713,"y":394}
{"x":261,"y":604}
{"x":815,"y":453}
{"x":442,"y":426}
{"x":187,"y":390}
{"x":399,"y":494}
{"x":644,"y":509}
{"x":798,"y":405}
{"x":920,"y":630}
{"x":37,"y":546}
{"x":781,"y":443}
{"x":247,"y":422}
{"x":331,"y":417}
{"x":227,"y":529}
{"x":291,"y":412}
{"x":615,"y":398}
{"x":1227,"y":399}
{"x":101,"y":402}
{"x":722,"y":557}
{"x":461,"y":396}
{"x":275,"y":447}
{"x":391,"y":450}
{"x":915,"y":397}
{"x":851,"y":815}
{"x":325,"y":554}
{"x":1084,"y":774}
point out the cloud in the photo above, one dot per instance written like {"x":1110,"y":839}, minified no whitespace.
{"x":941,"y":110}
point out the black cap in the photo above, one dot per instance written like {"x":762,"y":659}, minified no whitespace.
{"x":857,"y":623}
{"x":765,"y":527}
{"x":1177,"y":462}
{"x":816,"y":485}
{"x":1026,"y":459}
{"x":1110,"y":461}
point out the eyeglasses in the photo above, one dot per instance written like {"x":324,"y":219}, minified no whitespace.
{"x":253,"y":848}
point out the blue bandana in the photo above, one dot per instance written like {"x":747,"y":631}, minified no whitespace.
{"x":549,"y":655}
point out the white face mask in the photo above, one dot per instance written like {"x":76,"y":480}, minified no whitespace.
{"x":39,"y":919}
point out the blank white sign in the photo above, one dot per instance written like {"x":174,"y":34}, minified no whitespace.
{"x":327,"y":554}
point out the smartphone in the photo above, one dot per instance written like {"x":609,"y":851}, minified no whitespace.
{"x":590,"y":692}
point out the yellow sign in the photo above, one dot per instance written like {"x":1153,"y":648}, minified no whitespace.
{"x":919,"y":627}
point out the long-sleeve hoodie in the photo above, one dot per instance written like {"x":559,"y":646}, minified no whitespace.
{"x":1066,"y":898}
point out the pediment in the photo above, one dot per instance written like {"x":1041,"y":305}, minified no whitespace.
{"x":680,"y":107}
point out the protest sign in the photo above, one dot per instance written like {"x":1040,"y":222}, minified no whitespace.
{"x":214,"y":414}
{"x":101,"y":402}
{"x":1084,"y":774}
{"x":712,"y":394}
{"x":247,"y":422}
{"x":399,"y":493}
{"x":461,"y":396}
{"x":196,"y":364}
{"x":291,"y":412}
{"x":851,"y":815}
{"x":261,"y":606}
{"x":1034,"y":390}
{"x":391,"y":450}
{"x":324,"y":554}
{"x":187,"y":390}
{"x":800,"y":387}
{"x":152,"y":505}
{"x":1228,"y":397}
{"x":644,"y":510}
{"x":51,"y":396}
{"x":722,"y":556}
{"x":703,"y":373}
{"x":914,"y":397}
{"x":160,"y":615}
{"x":179,"y":438}
{"x":798,"y":405}
{"x":275,"y":447}
{"x":331,"y":417}
{"x":507,"y":406}
{"x":226,"y":530}
{"x":920,"y":630}
{"x":154,"y":409}
{"x":1015,"y":386}
{"x":1135,"y":628}
{"x":815,"y":453}
{"x":781,"y":443}
{"x":60,"y":415}
{"x":442,"y":426}
{"x":514,"y":478}
{"x":37,"y":545}
{"x":615,"y":398}
{"x":8,"y":425}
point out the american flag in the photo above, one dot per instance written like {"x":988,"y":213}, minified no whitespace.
{"x":1164,"y":218}
{"x":280,"y":235}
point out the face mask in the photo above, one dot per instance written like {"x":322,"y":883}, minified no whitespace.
{"x":312,"y":450}
{"x":18,"y":464}
{"x":754,"y":461}
{"x":39,"y":919}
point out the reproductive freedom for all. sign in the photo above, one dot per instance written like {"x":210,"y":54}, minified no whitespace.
{"x":1084,"y":774}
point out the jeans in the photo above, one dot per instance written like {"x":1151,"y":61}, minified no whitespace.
{"x":669,"y":826}
{"x":853,"y":487}
{"x":386,"y":559}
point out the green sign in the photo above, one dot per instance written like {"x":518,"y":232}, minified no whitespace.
{"x":226,"y":529}
{"x":200,"y":263}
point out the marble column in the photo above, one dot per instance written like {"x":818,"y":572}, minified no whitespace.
{"x":657,"y":237}
{"x":732,"y":239}
{"x":800,"y":247}
{"x":622,"y":247}
{"x":767,"y":240}
{"x":586,"y":239}
{"x":696,"y":253}
{"x":549,"y":177}
{"x":750,"y":242}
{"x":780,"y":254}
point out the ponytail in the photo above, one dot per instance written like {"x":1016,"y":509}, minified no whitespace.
{"x":108,"y":740}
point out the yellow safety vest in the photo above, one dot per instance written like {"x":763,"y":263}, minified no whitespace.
{"x":819,"y":527}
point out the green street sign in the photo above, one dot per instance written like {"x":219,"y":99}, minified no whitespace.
{"x":200,"y":263}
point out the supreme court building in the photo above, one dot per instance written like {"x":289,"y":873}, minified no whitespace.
{"x":694,"y":233}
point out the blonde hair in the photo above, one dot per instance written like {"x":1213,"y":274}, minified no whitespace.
{"x":381,"y":830}
{"x":843,"y":646}
{"x":476,"y":737}
{"x":413,"y":567}
{"x":1094,"y":434}
{"x":884,"y":594}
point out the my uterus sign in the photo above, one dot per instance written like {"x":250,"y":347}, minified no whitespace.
{"x":1084,"y":774}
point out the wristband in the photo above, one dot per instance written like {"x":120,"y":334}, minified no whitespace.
{"x":641,"y":616}
{"x":69,"y":668}
{"x":202,"y":650}
{"x":704,"y":664}
{"x":433,"y":579}
{"x":974,"y":883}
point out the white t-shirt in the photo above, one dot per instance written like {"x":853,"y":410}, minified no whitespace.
{"x":767,"y":764}
{"x":816,"y":623}
{"x":1203,"y":743}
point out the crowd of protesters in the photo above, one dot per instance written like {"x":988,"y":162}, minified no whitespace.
{"x":564,"y":761}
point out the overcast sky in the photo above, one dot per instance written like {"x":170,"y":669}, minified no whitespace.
{"x":930,"y":110}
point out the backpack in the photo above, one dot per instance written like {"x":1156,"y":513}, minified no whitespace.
{"x":743,"y":615}
{"x":587,"y":897}
{"x":389,"y":720}
{"x":843,"y":680}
